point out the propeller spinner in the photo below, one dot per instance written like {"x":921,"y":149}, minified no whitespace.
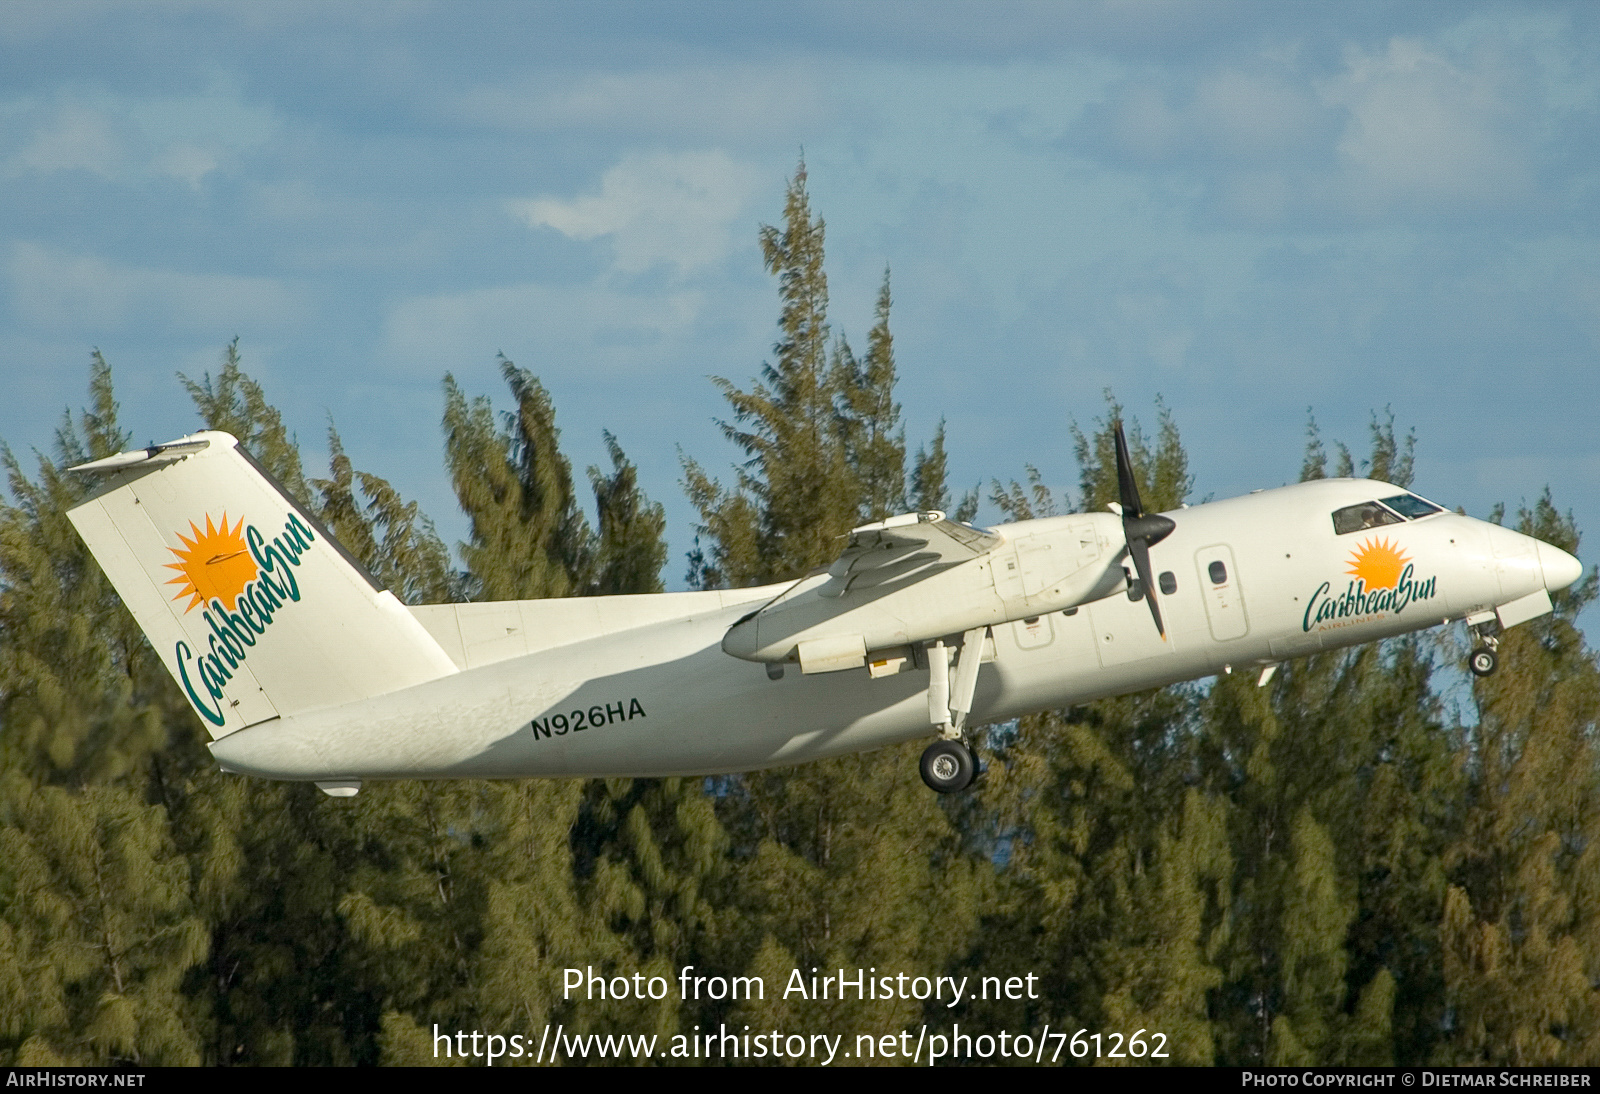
{"x":1141,"y":531}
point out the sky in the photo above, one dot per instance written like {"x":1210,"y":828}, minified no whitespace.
{"x":1248,"y":211}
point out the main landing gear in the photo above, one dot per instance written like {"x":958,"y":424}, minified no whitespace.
{"x":949,"y":766}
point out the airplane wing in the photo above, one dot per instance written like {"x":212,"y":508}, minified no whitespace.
{"x":905,"y":548}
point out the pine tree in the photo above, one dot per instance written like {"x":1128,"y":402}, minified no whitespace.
{"x":1162,"y":470}
{"x":849,"y":862}
{"x":632,"y":544}
{"x":1315,"y":918}
{"x":234,"y":403}
{"x":388,"y":535}
{"x":80,"y":692}
{"x":1521,"y":937}
{"x":1345,"y":750}
{"x":874,"y":443}
{"x":101,"y":931}
{"x":529,"y":538}
{"x":796,"y":493}
{"x":1117,"y":871}
{"x":605,"y":873}
{"x":929,"y":486}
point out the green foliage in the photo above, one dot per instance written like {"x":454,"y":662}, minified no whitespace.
{"x":929,"y":488}
{"x":1392,"y":460}
{"x":1162,"y":469}
{"x":820,"y":432}
{"x":1117,"y":880}
{"x":234,"y":403}
{"x":1521,"y":936}
{"x":388,"y":535}
{"x":101,"y":930}
{"x":849,"y":862}
{"x":632,"y":545}
{"x":795,"y":494}
{"x":529,"y":538}
{"x":80,"y":693}
{"x":875,"y":448}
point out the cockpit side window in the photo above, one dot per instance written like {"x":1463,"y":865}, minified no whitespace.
{"x":1411,"y":507}
{"x":1356,"y":518}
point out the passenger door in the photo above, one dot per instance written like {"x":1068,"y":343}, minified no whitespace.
{"x":1224,"y":597}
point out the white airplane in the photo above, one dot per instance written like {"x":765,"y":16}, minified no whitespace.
{"x":303,"y":668}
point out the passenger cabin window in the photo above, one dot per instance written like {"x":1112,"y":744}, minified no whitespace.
{"x":1218,"y":572}
{"x":1168,"y":582}
{"x":1357,"y":518}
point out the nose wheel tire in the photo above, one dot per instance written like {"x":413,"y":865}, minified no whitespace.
{"x":948,"y":766}
{"x":1483,"y":661}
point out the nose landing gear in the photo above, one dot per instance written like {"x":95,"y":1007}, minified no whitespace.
{"x":948,"y":766}
{"x":1483,"y":660}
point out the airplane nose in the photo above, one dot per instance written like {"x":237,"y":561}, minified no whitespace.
{"x":1560,"y":568}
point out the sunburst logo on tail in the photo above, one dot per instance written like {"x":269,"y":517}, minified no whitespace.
{"x":1379,"y":563}
{"x":214,"y":565}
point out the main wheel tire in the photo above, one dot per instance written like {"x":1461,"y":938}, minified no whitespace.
{"x":1483,"y":661}
{"x":948,"y":766}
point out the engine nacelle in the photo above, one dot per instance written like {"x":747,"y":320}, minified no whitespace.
{"x":829,"y":622}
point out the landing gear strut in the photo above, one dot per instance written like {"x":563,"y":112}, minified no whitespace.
{"x":948,"y":766}
{"x":1483,"y":660}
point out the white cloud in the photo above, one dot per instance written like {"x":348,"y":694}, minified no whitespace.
{"x":1424,"y":127}
{"x":135,"y":139}
{"x":55,"y":291}
{"x":1259,"y":114}
{"x":678,"y":209}
{"x":1233,"y":113}
{"x":187,"y":163}
{"x":1459,"y":122}
{"x":75,"y":139}
{"x":729,"y":103}
{"x":567,"y":326}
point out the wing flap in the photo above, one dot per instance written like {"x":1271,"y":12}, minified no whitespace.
{"x":905,"y":548}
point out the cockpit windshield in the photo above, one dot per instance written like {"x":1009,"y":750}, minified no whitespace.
{"x":1411,"y":507}
{"x":1373,"y":514}
{"x":1356,"y":518}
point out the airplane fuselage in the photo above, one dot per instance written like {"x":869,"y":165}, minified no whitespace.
{"x":642,"y":686}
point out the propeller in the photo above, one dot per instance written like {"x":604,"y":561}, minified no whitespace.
{"x":1141,"y":531}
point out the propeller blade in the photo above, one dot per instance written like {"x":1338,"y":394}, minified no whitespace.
{"x":1127,"y":488}
{"x":1140,"y":531}
{"x":1141,"y":563}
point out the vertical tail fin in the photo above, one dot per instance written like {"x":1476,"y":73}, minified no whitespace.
{"x":254,"y":608}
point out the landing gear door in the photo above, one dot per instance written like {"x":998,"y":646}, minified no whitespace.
{"x":1224,"y":597}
